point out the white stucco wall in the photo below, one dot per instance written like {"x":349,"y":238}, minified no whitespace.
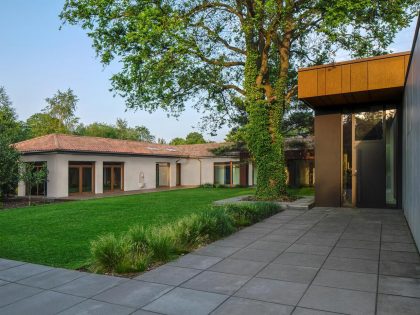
{"x":411,"y":145}
{"x":139,"y":171}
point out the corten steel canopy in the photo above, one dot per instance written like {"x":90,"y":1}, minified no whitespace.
{"x":367,"y":80}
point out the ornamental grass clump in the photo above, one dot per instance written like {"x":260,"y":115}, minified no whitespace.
{"x":199,"y":229}
{"x":111,"y":254}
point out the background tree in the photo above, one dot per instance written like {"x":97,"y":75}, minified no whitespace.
{"x":10,"y":127}
{"x":62,"y":107}
{"x":97,"y":130}
{"x":177,"y":141}
{"x":194,"y":138}
{"x":191,"y":138}
{"x":9,"y":173}
{"x":41,"y":124}
{"x":230,"y":55}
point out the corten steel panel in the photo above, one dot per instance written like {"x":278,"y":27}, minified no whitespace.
{"x":309,"y":82}
{"x":321,"y":82}
{"x":345,"y":78}
{"x":333,"y":80}
{"x":327,"y":159}
{"x":358,"y":77}
{"x":393,"y":77}
{"x":355,"y":80}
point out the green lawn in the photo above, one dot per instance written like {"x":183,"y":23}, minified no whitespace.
{"x":59,"y":234}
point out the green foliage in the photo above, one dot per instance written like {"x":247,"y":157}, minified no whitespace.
{"x":11,"y":129}
{"x":41,"y":124}
{"x":110,"y":254}
{"x":235,"y":60}
{"x":9,"y":170}
{"x":191,"y":138}
{"x":120,"y":130}
{"x":32,"y":175}
{"x":245,"y":214}
{"x":62,"y":107}
{"x":161,"y":243}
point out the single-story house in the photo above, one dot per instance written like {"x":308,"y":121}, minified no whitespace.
{"x":92,"y":165}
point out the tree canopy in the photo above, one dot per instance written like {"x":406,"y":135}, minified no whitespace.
{"x":227,"y":56}
{"x":191,"y":138}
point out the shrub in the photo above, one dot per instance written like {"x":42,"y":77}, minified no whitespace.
{"x":111,"y":254}
{"x":186,"y":232}
{"x":207,"y":185}
{"x":244,"y":214}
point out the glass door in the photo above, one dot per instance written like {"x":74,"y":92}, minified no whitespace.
{"x":369,"y":158}
{"x":162,"y":175}
{"x":81,"y":177}
{"x":113,"y":177}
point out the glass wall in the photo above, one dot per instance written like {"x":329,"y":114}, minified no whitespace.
{"x":347,"y":165}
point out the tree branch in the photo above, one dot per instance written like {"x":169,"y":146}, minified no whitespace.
{"x":234,"y":87}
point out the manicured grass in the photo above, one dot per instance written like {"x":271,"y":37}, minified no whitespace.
{"x":60,"y":234}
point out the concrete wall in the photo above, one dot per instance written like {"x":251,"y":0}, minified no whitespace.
{"x":411,"y":145}
{"x":139,"y":172}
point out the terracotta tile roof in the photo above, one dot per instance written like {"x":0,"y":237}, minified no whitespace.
{"x":71,"y":143}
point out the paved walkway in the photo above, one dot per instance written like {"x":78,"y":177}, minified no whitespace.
{"x":346,"y":261}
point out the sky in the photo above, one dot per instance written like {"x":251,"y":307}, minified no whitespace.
{"x":37,"y":59}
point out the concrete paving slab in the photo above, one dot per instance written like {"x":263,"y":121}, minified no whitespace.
{"x":7,"y":263}
{"x":22,"y":271}
{"x":275,"y":291}
{"x":89,"y":285}
{"x":216,"y":282}
{"x":271,"y":246}
{"x":309,"y":249}
{"x":339,"y":300}
{"x":255,"y":255}
{"x":307,"y":311}
{"x":399,"y":247}
{"x":13,"y":292}
{"x":358,"y":244}
{"x":216,"y":251}
{"x":401,"y":305}
{"x":240,"y":306}
{"x":351,"y":264}
{"x":299,"y":259}
{"x":44,"y":303}
{"x":399,"y":286}
{"x":93,"y":307}
{"x":181,"y":301}
{"x":52,"y":278}
{"x":169,"y":275}
{"x":238,"y":267}
{"x":399,"y":269}
{"x":195,"y":261}
{"x":133,"y":293}
{"x":360,"y":253}
{"x":288,"y":273}
{"x":346,"y":280}
{"x":407,"y":257}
